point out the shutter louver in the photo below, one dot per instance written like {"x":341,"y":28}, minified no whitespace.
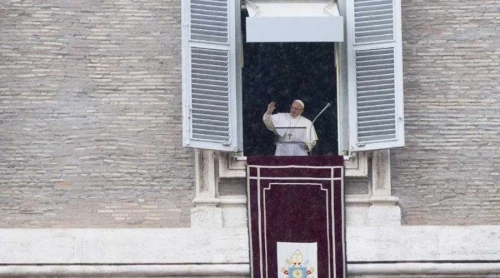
{"x":209,"y":73}
{"x":210,"y":102}
{"x":375,"y":75}
{"x":375,"y":100}
{"x":373,"y":21}
{"x":209,"y":20}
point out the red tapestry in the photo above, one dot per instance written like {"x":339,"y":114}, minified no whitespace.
{"x":296,"y":216}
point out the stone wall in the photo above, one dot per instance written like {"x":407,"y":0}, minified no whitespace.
{"x":90,"y":115}
{"x":449,"y":171}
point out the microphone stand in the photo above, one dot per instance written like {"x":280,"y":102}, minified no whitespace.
{"x":321,"y":112}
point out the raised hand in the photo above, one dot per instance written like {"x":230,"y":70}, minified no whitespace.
{"x":270,"y":107}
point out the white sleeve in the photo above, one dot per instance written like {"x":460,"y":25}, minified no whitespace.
{"x":268,"y":121}
{"x":314,"y":139}
{"x":311,"y":138}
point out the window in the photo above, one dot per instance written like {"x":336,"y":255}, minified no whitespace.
{"x":282,"y":72}
{"x":369,"y":76}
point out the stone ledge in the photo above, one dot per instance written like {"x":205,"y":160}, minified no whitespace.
{"x":423,"y":243}
{"x":396,"y":269}
{"x":365,"y":244}
{"x":124,"y":246}
{"x":424,"y":269}
{"x":164,"y":270}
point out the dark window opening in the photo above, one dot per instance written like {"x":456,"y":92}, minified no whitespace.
{"x":282,"y":72}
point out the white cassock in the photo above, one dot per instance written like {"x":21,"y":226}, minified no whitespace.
{"x":296,"y":136}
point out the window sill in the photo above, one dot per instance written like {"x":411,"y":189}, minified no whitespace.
{"x":231,"y":166}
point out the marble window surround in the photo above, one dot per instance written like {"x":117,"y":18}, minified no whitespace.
{"x":377,"y":207}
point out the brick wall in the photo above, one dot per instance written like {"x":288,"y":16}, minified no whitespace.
{"x":449,"y":171}
{"x":90,"y":115}
{"x":90,"y":120}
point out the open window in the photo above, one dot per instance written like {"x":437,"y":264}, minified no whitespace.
{"x":368,"y":67}
{"x":283,"y":72}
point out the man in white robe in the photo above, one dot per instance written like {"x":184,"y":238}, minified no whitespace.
{"x":295,"y":134}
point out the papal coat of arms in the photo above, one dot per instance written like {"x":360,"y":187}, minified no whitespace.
{"x":297,"y":267}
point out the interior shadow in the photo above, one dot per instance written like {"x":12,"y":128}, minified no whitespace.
{"x":282,"y":72}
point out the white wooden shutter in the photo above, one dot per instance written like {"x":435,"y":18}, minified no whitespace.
{"x":210,"y":74}
{"x":375,"y":74}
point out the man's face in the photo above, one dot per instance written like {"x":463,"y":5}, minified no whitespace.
{"x":296,"y":109}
